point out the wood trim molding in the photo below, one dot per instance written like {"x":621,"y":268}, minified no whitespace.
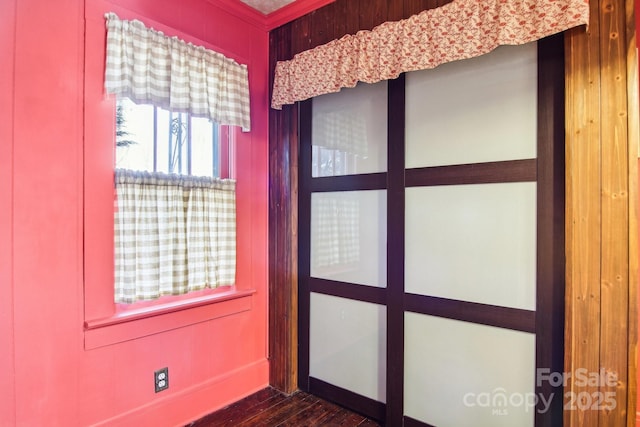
{"x":366,"y":406}
{"x":601,"y":234}
{"x":633,"y":132}
{"x":475,"y":173}
{"x":477,"y":313}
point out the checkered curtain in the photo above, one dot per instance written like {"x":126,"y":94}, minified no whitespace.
{"x":148,"y":67}
{"x":173,"y":234}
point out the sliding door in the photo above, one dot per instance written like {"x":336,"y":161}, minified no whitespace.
{"x":431,"y":242}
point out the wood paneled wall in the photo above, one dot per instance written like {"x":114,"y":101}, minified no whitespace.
{"x":601,"y":239}
{"x":601,"y":194}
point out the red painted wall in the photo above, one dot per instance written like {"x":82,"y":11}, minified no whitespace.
{"x":48,"y":103}
{"x":7,"y":42}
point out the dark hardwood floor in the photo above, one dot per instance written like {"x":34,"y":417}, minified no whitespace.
{"x":270,"y":408}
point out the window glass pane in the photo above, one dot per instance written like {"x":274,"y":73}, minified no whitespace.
{"x":162,"y":131}
{"x":455,"y":376}
{"x":152,"y":139}
{"x":473,"y":243}
{"x":347,"y":344}
{"x":202,"y":147}
{"x":349,"y":131}
{"x":178,"y":138}
{"x":349,"y":236}
{"x":472,"y":111}
{"x":134,"y":138}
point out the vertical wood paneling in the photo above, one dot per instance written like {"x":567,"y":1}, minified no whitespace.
{"x":395,"y":10}
{"x":348,"y":10}
{"x":633,"y":140}
{"x":282,"y":232}
{"x":412,"y":7}
{"x":322,"y":25}
{"x":601,"y":198}
{"x":371,"y":14}
{"x":302,"y":29}
{"x":583,"y":207}
{"x":614,"y":204}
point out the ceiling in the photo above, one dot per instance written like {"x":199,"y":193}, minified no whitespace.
{"x":267,"y":6}
{"x":269,"y":14}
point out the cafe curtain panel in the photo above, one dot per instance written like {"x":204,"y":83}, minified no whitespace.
{"x":173,"y":234}
{"x":458,"y":30}
{"x":149,"y":67}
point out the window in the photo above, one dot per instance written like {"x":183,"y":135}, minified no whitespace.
{"x":174,"y":217}
{"x":152,"y":139}
{"x":175,"y":214}
{"x":107,"y":322}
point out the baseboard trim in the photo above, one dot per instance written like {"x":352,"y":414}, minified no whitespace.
{"x":197,"y":401}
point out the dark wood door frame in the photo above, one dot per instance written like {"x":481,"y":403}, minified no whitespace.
{"x":547,"y":170}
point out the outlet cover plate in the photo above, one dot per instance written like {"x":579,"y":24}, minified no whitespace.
{"x":161,"y":379}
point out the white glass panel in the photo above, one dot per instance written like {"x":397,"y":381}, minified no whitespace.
{"x":136,"y":127}
{"x":349,"y":131}
{"x":163,"y":134}
{"x":473,"y":243}
{"x":459,"y":374}
{"x":349,"y":236}
{"x":347,"y":344}
{"x":477,"y":110}
{"x":202,"y":147}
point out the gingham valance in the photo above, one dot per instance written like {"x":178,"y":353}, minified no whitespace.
{"x":149,"y":67}
{"x":458,"y":30}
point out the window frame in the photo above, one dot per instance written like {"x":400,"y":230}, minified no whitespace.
{"x":106,"y":322}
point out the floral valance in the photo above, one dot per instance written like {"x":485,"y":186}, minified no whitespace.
{"x":150,"y":67}
{"x":458,"y":30}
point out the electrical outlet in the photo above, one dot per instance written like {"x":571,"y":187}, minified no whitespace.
{"x":161,"y":378}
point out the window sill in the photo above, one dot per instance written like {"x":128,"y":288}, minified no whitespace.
{"x":129,"y":324}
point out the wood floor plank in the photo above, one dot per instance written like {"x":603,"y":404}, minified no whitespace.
{"x":307,"y":418}
{"x":350,"y":419}
{"x":285,"y":409}
{"x":270,"y":408}
{"x":368,"y":423}
{"x":240,"y":411}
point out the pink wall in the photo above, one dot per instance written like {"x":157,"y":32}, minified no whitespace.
{"x":7,"y":41}
{"x":49,"y":375}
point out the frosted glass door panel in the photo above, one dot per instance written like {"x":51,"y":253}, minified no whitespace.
{"x":459,"y":374}
{"x":349,"y":131}
{"x":473,"y":243}
{"x":349,"y":236}
{"x":472,"y":111}
{"x":347,"y":344}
